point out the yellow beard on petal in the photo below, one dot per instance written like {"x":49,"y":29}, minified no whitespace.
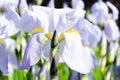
{"x":2,"y":42}
{"x":35,"y":30}
{"x":74,"y":32}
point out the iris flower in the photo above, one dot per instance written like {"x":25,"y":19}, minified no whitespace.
{"x":46,"y":21}
{"x":79,"y":6}
{"x":8,"y":59}
{"x":100,"y":15}
{"x":8,"y":27}
{"x":9,"y":23}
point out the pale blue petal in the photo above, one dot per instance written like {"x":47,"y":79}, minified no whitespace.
{"x":78,"y":4}
{"x":99,"y":12}
{"x":74,"y":55}
{"x":12,"y":62}
{"x":46,"y":49}
{"x":3,"y":59}
{"x":111,"y":30}
{"x":10,"y":22}
{"x":45,"y":16}
{"x":62,"y":13}
{"x":8,"y":3}
{"x":29,"y":21}
{"x":10,"y":44}
{"x":100,"y":6}
{"x":90,"y":33}
{"x":114,"y":9}
{"x":32,"y":52}
{"x":97,"y":17}
{"x":51,"y":4}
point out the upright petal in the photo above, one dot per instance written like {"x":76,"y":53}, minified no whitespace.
{"x":10,"y":22}
{"x":114,"y":9}
{"x":29,"y":21}
{"x":74,"y":56}
{"x":78,"y":4}
{"x":99,"y":13}
{"x":51,"y":4}
{"x":100,"y":6}
{"x":111,"y":30}
{"x":32,"y":52}
{"x":45,"y":16}
{"x":90,"y":33}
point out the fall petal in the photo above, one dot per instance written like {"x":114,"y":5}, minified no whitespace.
{"x":32,"y":52}
{"x":74,"y":56}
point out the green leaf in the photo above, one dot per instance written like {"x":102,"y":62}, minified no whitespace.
{"x":18,"y":75}
{"x":97,"y":74}
{"x":63,"y":71}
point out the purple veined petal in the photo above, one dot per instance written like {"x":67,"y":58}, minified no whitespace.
{"x":10,"y":22}
{"x":100,"y":6}
{"x":90,"y":33}
{"x":111,"y":30}
{"x":29,"y":21}
{"x":32,"y":52}
{"x":114,"y":10}
{"x":75,"y":56}
{"x":78,"y":4}
{"x":12,"y":62}
{"x":3,"y":59}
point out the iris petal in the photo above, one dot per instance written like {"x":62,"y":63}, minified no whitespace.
{"x":29,"y":21}
{"x":3,"y":60}
{"x":10,"y":23}
{"x":111,"y":30}
{"x":74,"y":56}
{"x":90,"y":33}
{"x":32,"y":52}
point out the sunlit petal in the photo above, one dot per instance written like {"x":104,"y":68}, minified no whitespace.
{"x":74,"y":55}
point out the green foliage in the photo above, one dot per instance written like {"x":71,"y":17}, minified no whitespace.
{"x":18,"y":75}
{"x":64,"y":71}
{"x":98,"y":74}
